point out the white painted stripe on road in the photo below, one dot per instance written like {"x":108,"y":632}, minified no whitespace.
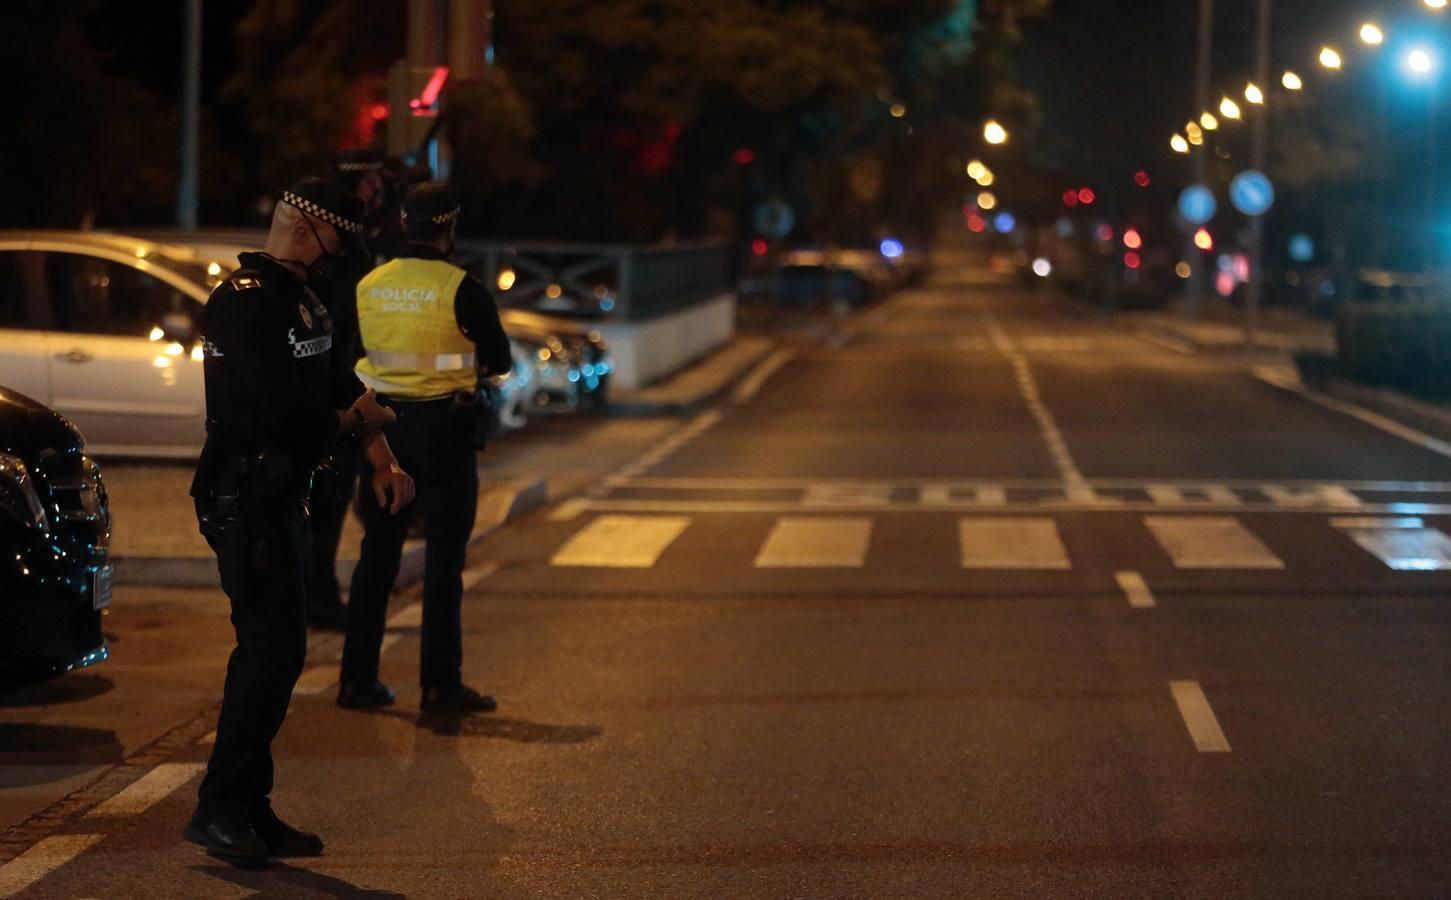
{"x":410,"y":616}
{"x":1197,"y":485}
{"x":1059,"y":504}
{"x":945,"y":495}
{"x":805,"y":542}
{"x":1199,"y":717}
{"x":146,"y":791}
{"x":474,"y":576}
{"x":621,"y":542}
{"x":1290,"y":382}
{"x":1211,"y":542}
{"x":1175,"y":495}
{"x":1323,"y":495}
{"x":1136,"y":589}
{"x":1406,"y":549}
{"x":317,"y":679}
{"x":39,"y":861}
{"x":1377,"y":522}
{"x":568,"y":511}
{"x":1011,"y":543}
{"x":752,"y":383}
{"x":389,"y":641}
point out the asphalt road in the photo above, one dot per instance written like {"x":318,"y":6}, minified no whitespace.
{"x":979,"y":597}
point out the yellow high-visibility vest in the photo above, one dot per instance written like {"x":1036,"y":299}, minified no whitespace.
{"x":410,"y":335}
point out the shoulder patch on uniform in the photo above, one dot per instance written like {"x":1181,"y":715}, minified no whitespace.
{"x":244,"y":282}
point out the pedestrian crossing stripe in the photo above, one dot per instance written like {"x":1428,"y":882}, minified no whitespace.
{"x":1004,"y":543}
{"x":1211,"y":542}
{"x":1011,"y":543}
{"x":621,"y":542}
{"x":802,"y":542}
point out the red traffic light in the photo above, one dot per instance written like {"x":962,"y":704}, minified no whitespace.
{"x":1141,"y":178}
{"x":1131,"y":259}
{"x":1070,"y":198}
{"x":1086,"y":196}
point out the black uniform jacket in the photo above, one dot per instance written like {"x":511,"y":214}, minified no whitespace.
{"x":273,"y":382}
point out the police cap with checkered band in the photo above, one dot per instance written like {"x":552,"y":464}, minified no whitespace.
{"x":320,"y":199}
{"x":431,"y":206}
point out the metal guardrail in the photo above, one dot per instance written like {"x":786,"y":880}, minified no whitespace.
{"x":624,"y":282}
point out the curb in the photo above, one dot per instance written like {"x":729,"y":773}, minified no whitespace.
{"x":498,"y":507}
{"x":693,"y":405}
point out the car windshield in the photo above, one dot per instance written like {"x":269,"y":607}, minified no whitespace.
{"x":204,"y":273}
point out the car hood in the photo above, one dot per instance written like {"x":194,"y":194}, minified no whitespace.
{"x":27,"y":428}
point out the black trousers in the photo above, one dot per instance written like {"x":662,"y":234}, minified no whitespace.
{"x":433,"y":440}
{"x":332,"y":494}
{"x":262,"y":553}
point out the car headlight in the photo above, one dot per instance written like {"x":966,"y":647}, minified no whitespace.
{"x":17,"y":494}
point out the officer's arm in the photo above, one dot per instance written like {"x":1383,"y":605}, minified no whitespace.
{"x":478,"y":319}
{"x":262,"y":373}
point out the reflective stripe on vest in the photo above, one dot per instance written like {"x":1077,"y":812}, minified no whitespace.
{"x":409,"y":331}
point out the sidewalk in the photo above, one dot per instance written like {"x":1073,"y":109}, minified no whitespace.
{"x":1220,"y":328}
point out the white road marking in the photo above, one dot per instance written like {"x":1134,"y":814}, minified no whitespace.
{"x":865,"y":494}
{"x":1322,"y":495}
{"x":1211,"y":542}
{"x":1199,"y":717}
{"x":1055,"y":504}
{"x":568,"y":511}
{"x":42,"y":859}
{"x":1136,"y":589}
{"x":1289,"y":382}
{"x":1406,"y":549}
{"x":1174,"y":495}
{"x":1075,"y":485}
{"x":746,"y":484}
{"x":1178,"y":345}
{"x":633,"y":542}
{"x":752,"y":383}
{"x":834,"y":542}
{"x":1011,"y":543}
{"x":144,"y":793}
{"x":1376,"y":522}
{"x":474,"y":576}
{"x":317,"y":679}
{"x":389,"y":641}
{"x":410,"y":616}
{"x":947,"y":495}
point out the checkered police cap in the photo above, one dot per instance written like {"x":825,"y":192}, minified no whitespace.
{"x":355,"y":161}
{"x":319,"y":199}
{"x":434,"y":201}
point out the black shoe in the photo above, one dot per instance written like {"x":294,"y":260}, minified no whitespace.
{"x":364,"y":696}
{"x":282,"y":839}
{"x":228,"y":837}
{"x":458,"y":700}
{"x":328,"y":617}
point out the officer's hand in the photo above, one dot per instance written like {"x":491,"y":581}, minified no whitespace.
{"x":374,"y":413}
{"x":392,"y":487}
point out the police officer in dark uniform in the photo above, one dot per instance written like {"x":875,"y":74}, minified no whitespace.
{"x":427,"y":330}
{"x":277,"y":395}
{"x":358,"y":174}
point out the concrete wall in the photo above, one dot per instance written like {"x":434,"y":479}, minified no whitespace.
{"x":648,"y":351}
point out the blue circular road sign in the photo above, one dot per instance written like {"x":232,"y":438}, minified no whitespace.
{"x":1196,"y":204}
{"x":1251,"y":193}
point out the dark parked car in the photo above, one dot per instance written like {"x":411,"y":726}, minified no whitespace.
{"x":55,"y":533}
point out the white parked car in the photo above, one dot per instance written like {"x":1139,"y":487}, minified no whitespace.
{"x":102,"y":328}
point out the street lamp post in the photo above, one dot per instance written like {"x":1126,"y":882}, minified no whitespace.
{"x":188,"y":183}
{"x":1257,"y":154}
{"x":1195,"y":282}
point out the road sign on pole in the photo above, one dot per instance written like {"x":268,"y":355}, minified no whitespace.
{"x":1197,"y":204}
{"x":1251,"y":193}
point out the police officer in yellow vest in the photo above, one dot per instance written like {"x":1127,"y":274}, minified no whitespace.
{"x":428,"y":330}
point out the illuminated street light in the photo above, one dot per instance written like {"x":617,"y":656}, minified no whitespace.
{"x":1208,"y":121}
{"x":1371,"y":34}
{"x":1436,"y":4}
{"x":994,"y":133}
{"x":1329,"y":58}
{"x":986,"y":180}
{"x":1203,"y":240}
{"x":975,"y":169}
{"x":1253,"y":94}
{"x":1179,"y":144}
{"x":1228,"y":108}
{"x":1419,"y":61}
{"x":1292,"y":82}
{"x":897,"y":110}
{"x":986,"y":200}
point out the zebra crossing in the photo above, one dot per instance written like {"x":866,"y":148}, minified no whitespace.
{"x":1006,"y":543}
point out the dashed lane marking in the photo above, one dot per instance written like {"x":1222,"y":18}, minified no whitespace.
{"x":1011,"y":543}
{"x":752,"y":384}
{"x":42,"y":859}
{"x":1135,"y":589}
{"x":629,"y":542}
{"x":1199,"y":717}
{"x":805,"y":542}
{"x":146,"y":791}
{"x":1211,"y":542}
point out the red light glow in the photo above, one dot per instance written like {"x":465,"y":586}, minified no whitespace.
{"x":1131,"y":259}
{"x":1070,"y":198}
{"x":1132,"y":240}
{"x":1105,"y":232}
{"x":425,"y":101}
{"x":1086,"y":196}
{"x":744,"y":156}
{"x":759,"y":247}
{"x":379,"y":111}
{"x":976,"y":224}
{"x":1141,"y":178}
